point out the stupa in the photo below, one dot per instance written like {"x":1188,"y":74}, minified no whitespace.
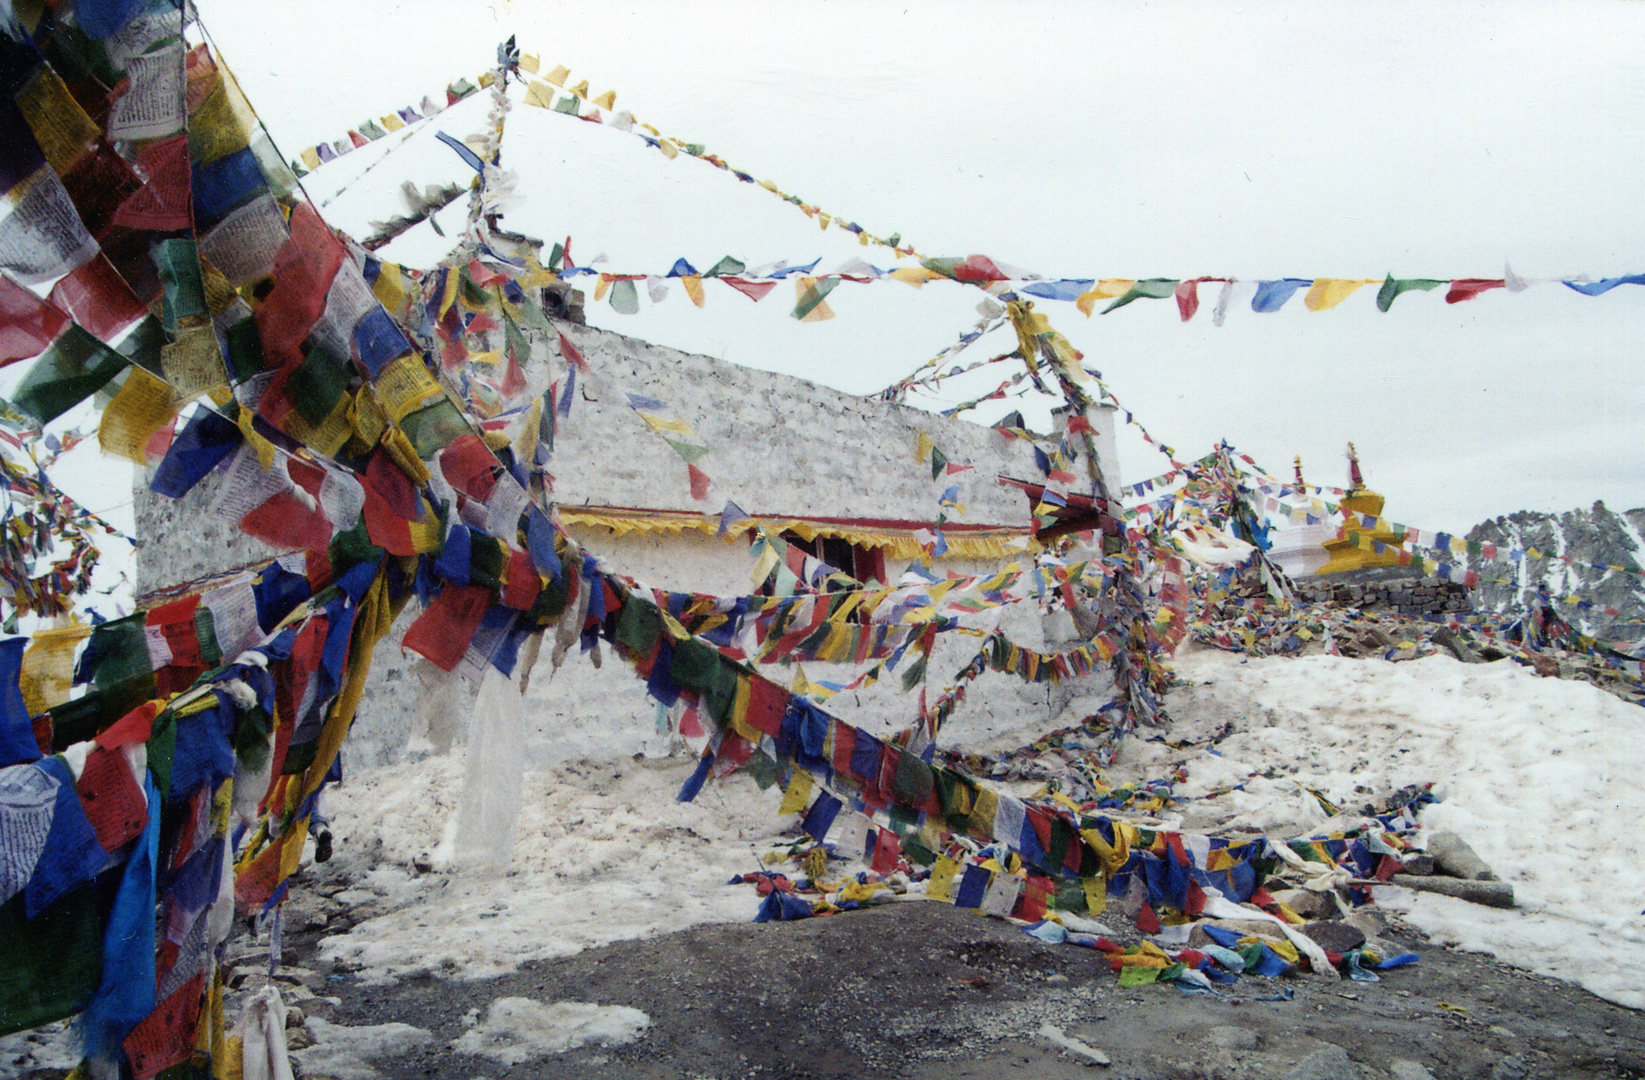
{"x":1352,"y":549}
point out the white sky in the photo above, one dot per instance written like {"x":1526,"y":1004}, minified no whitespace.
{"x":1081,"y":140}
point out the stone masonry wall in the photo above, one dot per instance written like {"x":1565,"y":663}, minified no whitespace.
{"x":1407,"y":596}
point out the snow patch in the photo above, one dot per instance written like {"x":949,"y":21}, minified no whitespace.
{"x":1539,"y":776}
{"x":341,"y":1052}
{"x":517,"y":1029}
{"x":602,"y":853}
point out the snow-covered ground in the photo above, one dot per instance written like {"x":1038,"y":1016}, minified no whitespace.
{"x":602,"y":853}
{"x":1540,"y":776}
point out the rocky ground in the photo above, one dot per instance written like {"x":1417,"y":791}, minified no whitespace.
{"x":920,"y":989}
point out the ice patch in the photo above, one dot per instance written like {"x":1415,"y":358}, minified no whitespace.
{"x":517,"y":1029}
{"x":347,"y":1053}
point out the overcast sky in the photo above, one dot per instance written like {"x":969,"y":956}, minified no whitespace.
{"x":1086,"y":140}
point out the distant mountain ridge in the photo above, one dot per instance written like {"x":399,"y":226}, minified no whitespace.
{"x":1596,"y":538}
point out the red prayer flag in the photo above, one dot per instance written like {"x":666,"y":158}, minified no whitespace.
{"x":166,"y":202}
{"x":754,"y":290}
{"x":113,"y":802}
{"x":523,"y":583}
{"x":766,"y":704}
{"x":28,"y":324}
{"x":887,"y":852}
{"x":443,"y":631}
{"x":99,"y":299}
{"x":699,"y":482}
{"x":571,"y":353}
{"x":1468,"y":288}
{"x":134,"y":727}
{"x":165,"y":1037}
{"x":470,"y":467}
{"x":303,"y":272}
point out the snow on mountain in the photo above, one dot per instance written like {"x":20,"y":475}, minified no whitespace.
{"x":1595,"y":540}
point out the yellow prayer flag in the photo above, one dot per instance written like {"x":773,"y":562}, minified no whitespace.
{"x":391,"y":122}
{"x":912,"y":275}
{"x":558,"y":76}
{"x":254,"y":438}
{"x":1106,"y":289}
{"x":581,"y":89}
{"x":219,"y":125}
{"x":540,"y":94}
{"x":1096,"y":894}
{"x":525,"y":443}
{"x":601,"y":287}
{"x":142,"y":406}
{"x":310,"y":159}
{"x":922,"y":449}
{"x":530,"y":62}
{"x":668,"y":149}
{"x":486,"y":79}
{"x":941,"y":885}
{"x":448,"y":296}
{"x":607,"y":100}
{"x":404,"y":386}
{"x":764,"y":564}
{"x":48,"y":666}
{"x":390,"y":288}
{"x":666,"y":423}
{"x":980,"y":822}
{"x":693,"y":285}
{"x":193,"y":364}
{"x":1327,"y":293}
{"x":797,"y":794}
{"x":60,"y":125}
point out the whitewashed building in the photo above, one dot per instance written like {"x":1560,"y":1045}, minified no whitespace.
{"x":837,"y":473}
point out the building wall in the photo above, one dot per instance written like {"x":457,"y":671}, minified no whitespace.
{"x":778,"y":445}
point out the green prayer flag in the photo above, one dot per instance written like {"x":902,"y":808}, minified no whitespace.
{"x":1392,"y":287}
{"x":625,"y":298}
{"x":316,"y":385}
{"x":814,"y":295}
{"x":567,"y":104}
{"x":1149,"y":289}
{"x":639,"y":627}
{"x":371,"y":129}
{"x":763,"y":768}
{"x":938,"y":460}
{"x":50,"y":965}
{"x":75,"y":367}
{"x":184,"y":291}
{"x":912,"y":782}
{"x":119,"y":650}
{"x":691,"y":452}
{"x":245,"y":350}
{"x":1132,"y":975}
{"x":695,"y":665}
{"x":143,"y":342}
{"x":721,"y":695}
{"x":205,"y":636}
{"x":433,"y":427}
{"x":486,"y":559}
{"x":726,"y":266}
